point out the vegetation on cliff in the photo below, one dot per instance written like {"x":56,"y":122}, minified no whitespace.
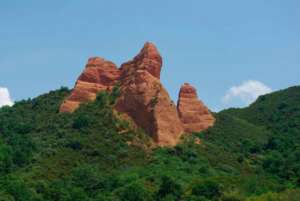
{"x":251,"y":154}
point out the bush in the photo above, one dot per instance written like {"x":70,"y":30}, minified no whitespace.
{"x":16,"y":188}
{"x":232,"y":197}
{"x":208,"y":189}
{"x":85,"y":177}
{"x":169,"y":188}
{"x":6,"y":158}
{"x":75,"y":145}
{"x":81,"y":122}
{"x":134,"y":192}
{"x":114,"y":94}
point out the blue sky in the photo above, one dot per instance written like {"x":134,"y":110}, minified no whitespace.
{"x":218,"y":46}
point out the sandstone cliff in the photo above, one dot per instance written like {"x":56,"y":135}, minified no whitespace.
{"x":98,"y":75}
{"x":143,"y":98}
{"x":194,"y":115}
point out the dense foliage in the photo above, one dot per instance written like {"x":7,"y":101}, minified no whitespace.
{"x":279,"y":113}
{"x":251,"y":154}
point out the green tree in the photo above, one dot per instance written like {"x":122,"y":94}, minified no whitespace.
{"x":169,"y":188}
{"x":135,"y":192}
{"x":208,"y":189}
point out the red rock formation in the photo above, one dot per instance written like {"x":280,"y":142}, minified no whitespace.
{"x":98,"y":75}
{"x":143,"y":98}
{"x":148,"y":59}
{"x":194,"y":115}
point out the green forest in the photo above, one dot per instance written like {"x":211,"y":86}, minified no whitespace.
{"x":250,"y":154}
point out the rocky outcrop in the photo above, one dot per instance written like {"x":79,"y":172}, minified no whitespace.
{"x":148,"y":59}
{"x":143,"y":98}
{"x":194,"y":115}
{"x":98,"y":75}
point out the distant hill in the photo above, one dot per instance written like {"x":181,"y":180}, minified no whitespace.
{"x":250,"y":154}
{"x":279,"y":111}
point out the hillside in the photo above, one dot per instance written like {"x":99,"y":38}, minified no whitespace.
{"x":250,"y":154}
{"x":279,"y":113}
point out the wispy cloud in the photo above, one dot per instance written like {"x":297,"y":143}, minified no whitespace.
{"x":5,"y":97}
{"x":245,"y":93}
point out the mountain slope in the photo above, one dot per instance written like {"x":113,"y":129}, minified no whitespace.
{"x":279,"y":113}
{"x":93,"y":155}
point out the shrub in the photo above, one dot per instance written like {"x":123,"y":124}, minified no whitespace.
{"x":208,"y":189}
{"x":169,"y":188}
{"x":81,"y":122}
{"x":134,"y":192}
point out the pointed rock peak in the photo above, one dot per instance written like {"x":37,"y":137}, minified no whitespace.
{"x":188,"y":91}
{"x":148,"y":59}
{"x":194,"y":115}
{"x":149,"y":50}
{"x":95,"y":61}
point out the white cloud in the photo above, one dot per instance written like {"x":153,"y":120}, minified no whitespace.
{"x":246,"y":93}
{"x":5,"y":97}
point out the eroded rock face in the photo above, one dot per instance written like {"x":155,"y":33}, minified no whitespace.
{"x":146,"y":101}
{"x":194,"y":115}
{"x":148,"y":59}
{"x":98,"y":75}
{"x":143,"y":98}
